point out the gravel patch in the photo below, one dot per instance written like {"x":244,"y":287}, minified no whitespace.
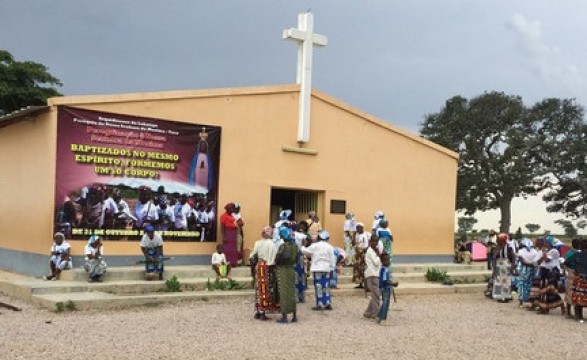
{"x":459,"y":326}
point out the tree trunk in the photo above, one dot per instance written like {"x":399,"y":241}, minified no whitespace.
{"x":505,"y":208}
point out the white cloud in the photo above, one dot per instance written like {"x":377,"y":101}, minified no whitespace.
{"x":544,"y":60}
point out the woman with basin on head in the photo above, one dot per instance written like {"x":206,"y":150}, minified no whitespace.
{"x":94,"y":263}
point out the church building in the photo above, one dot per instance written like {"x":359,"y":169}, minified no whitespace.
{"x":65,"y":163}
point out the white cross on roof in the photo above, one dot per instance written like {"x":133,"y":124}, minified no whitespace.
{"x":306,"y":39}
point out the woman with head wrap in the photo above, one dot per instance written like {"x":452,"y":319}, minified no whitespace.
{"x":502,"y":273}
{"x":263,"y":256}
{"x":229,"y":229}
{"x":285,"y":259}
{"x":323,"y":263}
{"x":301,"y":236}
{"x":549,"y":272}
{"x":528,"y":258}
{"x":378,"y":216}
{"x":534,"y":295}
{"x":362,"y":238}
{"x":152,"y":248}
{"x":94,"y":263}
{"x":283,"y":221}
{"x":60,"y":256}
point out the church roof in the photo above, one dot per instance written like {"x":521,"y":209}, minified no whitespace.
{"x":210,"y":93}
{"x":21,"y":114}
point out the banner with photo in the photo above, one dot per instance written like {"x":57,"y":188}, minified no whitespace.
{"x":117,"y":174}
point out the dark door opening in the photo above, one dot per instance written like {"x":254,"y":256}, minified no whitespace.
{"x":299,"y":202}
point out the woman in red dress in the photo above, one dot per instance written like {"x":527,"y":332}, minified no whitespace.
{"x":229,"y":229}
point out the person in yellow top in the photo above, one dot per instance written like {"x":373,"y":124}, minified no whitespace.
{"x":314,"y":226}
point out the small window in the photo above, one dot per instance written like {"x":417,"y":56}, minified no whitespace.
{"x":337,"y":206}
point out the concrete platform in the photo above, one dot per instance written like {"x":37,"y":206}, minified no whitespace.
{"x":124,"y":286}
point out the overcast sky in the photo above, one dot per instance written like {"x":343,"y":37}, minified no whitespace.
{"x":397,"y":60}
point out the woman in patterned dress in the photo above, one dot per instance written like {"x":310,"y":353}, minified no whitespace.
{"x":285,"y":259}
{"x":503,"y":271}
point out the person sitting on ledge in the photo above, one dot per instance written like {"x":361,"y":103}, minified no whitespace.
{"x":152,"y":248}
{"x":219,"y":264}
{"x":60,"y":257}
{"x":94,"y":263}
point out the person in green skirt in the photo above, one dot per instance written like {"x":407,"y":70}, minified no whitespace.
{"x":285,"y":260}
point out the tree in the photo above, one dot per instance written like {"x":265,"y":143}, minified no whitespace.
{"x":532,"y":228}
{"x":503,"y":148}
{"x":563,"y":156}
{"x":24,"y":83}
{"x":466,"y":224}
{"x":567,"y":225}
{"x":518,"y":235}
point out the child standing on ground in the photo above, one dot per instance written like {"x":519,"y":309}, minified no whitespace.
{"x":219,"y":264}
{"x":385,"y":285}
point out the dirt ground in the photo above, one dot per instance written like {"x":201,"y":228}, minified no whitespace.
{"x":459,"y":326}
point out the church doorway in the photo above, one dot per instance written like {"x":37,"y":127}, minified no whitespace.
{"x":299,"y":201}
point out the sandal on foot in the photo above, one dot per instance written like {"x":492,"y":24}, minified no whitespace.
{"x":281,"y":321}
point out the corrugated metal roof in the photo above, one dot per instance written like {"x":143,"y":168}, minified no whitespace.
{"x":21,"y":114}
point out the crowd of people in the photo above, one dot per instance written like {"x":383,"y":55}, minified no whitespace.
{"x":281,"y":261}
{"x":288,"y":252}
{"x":543,"y":279}
{"x":99,"y":206}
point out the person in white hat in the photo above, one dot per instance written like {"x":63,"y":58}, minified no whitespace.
{"x":379,"y":215}
{"x":323,"y":263}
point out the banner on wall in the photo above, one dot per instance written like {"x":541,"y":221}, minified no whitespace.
{"x":117,"y":174}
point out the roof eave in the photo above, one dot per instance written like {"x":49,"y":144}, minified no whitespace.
{"x":22,"y":114}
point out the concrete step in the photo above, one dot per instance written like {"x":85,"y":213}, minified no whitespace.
{"x":111,"y":285}
{"x":129,"y":287}
{"x":203,"y":271}
{"x":124,"y":286}
{"x":101,"y":300}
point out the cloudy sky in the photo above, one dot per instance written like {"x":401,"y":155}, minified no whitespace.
{"x":397,"y":60}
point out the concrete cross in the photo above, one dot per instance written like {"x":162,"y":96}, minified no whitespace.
{"x":306,"y":39}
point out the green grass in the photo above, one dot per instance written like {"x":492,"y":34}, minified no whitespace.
{"x":435,"y":275}
{"x":172,"y":284}
{"x":224,"y":285}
